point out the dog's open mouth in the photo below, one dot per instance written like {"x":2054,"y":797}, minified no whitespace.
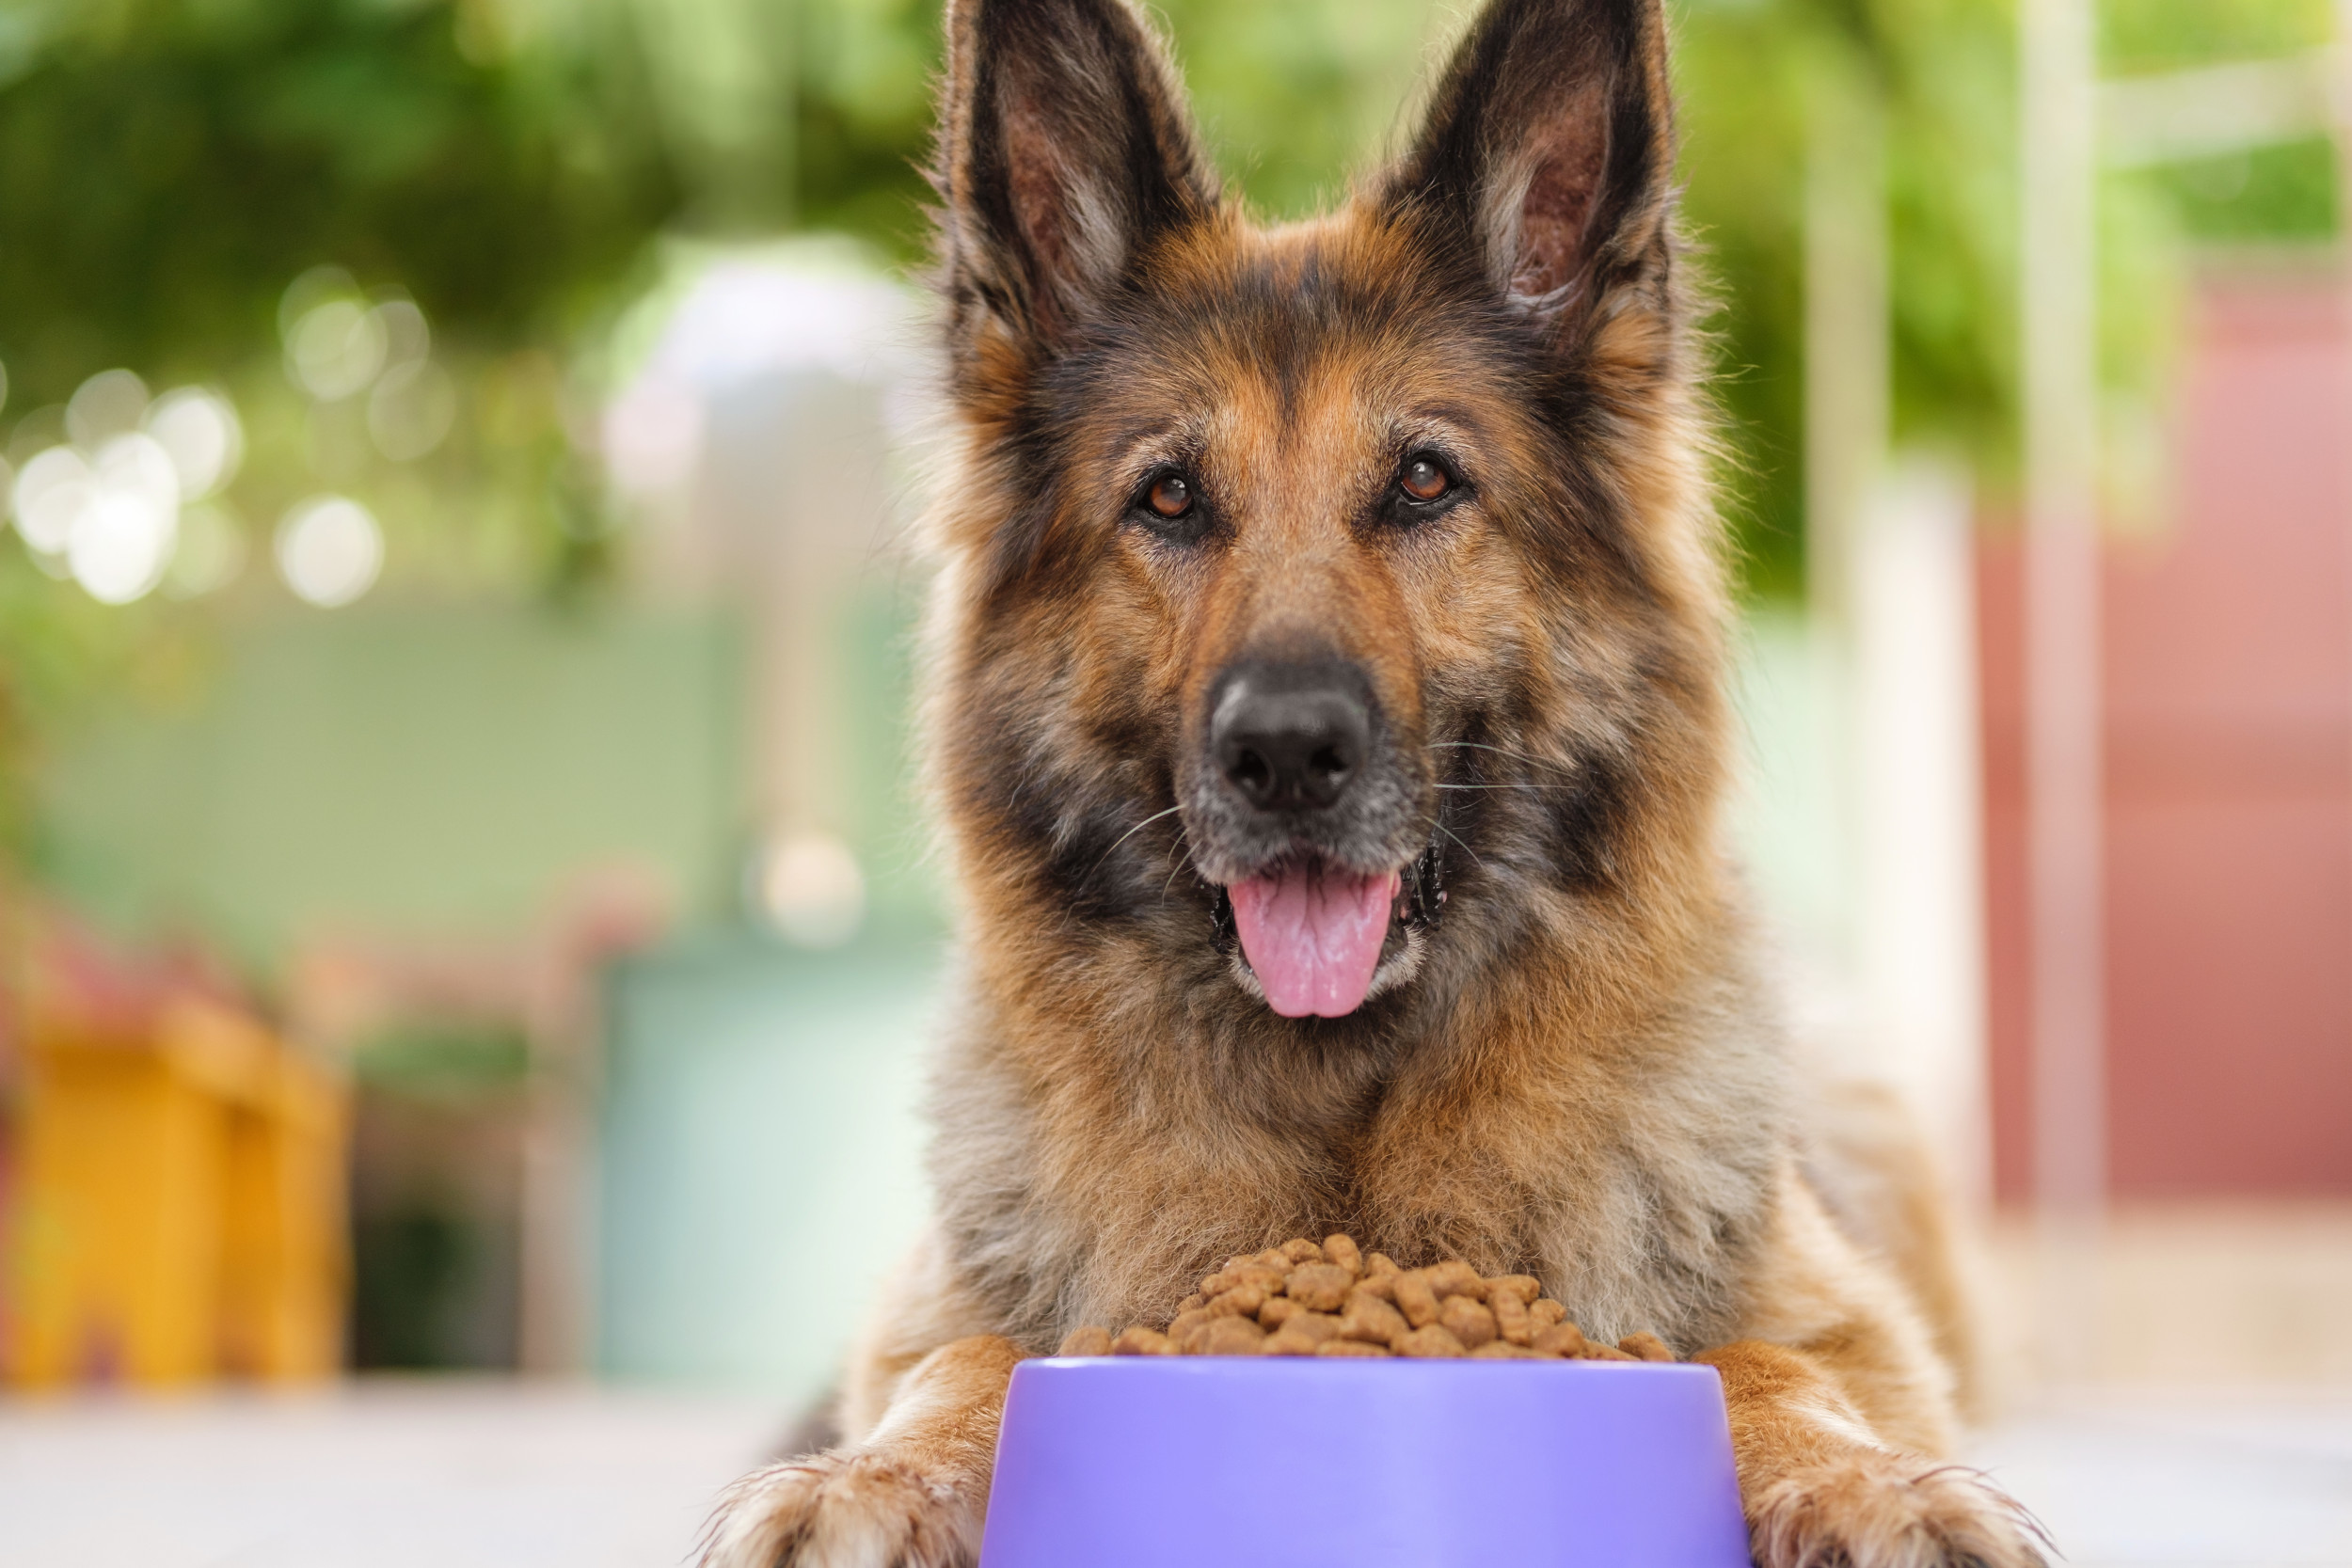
{"x":1314,"y":934}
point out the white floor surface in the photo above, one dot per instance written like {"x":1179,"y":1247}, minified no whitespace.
{"x":491,"y":1476}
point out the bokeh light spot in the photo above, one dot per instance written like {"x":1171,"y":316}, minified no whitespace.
{"x":49,"y":492}
{"x":109,"y":404}
{"x":138,"y":465}
{"x":199,"y":429}
{"x":406,"y":337}
{"x":334,"y":349}
{"x":812,"y":891}
{"x":121,"y":544}
{"x":329,"y":550}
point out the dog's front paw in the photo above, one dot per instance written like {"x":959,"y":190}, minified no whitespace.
{"x":1888,"y":1511}
{"x":843,"y":1510}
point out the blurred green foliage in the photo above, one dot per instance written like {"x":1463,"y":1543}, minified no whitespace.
{"x":457,"y":1065}
{"x":1937,"y":76}
{"x":2136,"y":36}
{"x":2263,"y":196}
{"x":169,"y":167}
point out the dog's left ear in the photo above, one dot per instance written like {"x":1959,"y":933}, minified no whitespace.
{"x":1548,"y":152}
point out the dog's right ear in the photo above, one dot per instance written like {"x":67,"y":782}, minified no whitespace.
{"x":1064,"y":147}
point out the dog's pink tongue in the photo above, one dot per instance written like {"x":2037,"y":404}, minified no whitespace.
{"x":1313,"y":937}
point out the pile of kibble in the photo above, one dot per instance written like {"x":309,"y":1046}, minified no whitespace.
{"x":1331,"y":1299}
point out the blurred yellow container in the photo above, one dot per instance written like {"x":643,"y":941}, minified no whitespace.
{"x":179,"y":1204}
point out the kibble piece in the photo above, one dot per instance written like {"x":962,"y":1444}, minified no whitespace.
{"x":1321,"y":1286}
{"x":1544,"y":1312}
{"x":1302,"y":1251}
{"x":1245,"y":1271}
{"x":1087,"y":1340}
{"x":1265,"y":1276}
{"x":1317,"y":1326}
{"x":1596,"y":1350}
{"x":1457,"y":1278}
{"x":1642,"y":1347}
{"x":1502,"y":1350}
{"x":1466,"y":1320}
{"x":1243,"y":1301}
{"x":1283,"y":1342}
{"x":1562,"y":1339}
{"x":1511,"y":1320}
{"x":1185,"y":1325}
{"x":1523,"y":1286}
{"x":1381,"y":1285}
{"x":1274,"y":1258}
{"x":1415,"y":1299}
{"x":1343,"y":1251}
{"x":1431,"y":1343}
{"x":1351,"y":1347}
{"x":1276,"y":1311}
{"x":1380,"y":1262}
{"x":1371,"y":1320}
{"x":1140,"y":1340}
{"x":1231,"y":1336}
{"x":1196,"y":1299}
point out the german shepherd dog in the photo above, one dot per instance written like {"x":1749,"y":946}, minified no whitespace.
{"x":1328,"y":716}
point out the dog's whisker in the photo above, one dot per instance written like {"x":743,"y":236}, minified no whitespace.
{"x":1499,"y":751}
{"x":1130,"y":833}
{"x":1181,"y":861}
{"x":1523,"y":758}
{"x":1454,"y":836}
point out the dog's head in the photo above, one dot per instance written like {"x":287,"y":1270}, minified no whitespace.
{"x":1330,"y":606}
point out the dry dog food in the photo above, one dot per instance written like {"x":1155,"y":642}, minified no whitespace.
{"x":1331,"y":1298}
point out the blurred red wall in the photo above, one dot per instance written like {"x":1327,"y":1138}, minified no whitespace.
{"x":2228,"y":643}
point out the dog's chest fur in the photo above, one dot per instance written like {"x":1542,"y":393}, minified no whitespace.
{"x":1092,"y":1162}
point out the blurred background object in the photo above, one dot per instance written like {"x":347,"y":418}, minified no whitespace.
{"x":177,"y":1199}
{"x":457,"y":633}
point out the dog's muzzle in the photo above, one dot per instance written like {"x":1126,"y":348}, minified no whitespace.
{"x":1300,"y":814}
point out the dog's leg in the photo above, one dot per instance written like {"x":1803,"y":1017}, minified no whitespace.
{"x":1820,"y":1488}
{"x":912,"y":1495}
{"x":1840,"y":1411}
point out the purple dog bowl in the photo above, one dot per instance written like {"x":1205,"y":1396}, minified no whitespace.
{"x":1156,"y":1462}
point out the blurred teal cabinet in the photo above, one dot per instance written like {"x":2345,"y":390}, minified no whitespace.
{"x":760,"y":1154}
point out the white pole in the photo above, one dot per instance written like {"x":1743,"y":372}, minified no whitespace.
{"x":1847,"y":337}
{"x":1890,"y":580}
{"x":1918,"y":807}
{"x":2062,"y":667}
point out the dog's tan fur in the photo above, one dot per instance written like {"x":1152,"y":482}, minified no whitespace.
{"x":1575,"y":1073}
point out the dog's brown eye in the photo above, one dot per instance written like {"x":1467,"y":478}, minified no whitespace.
{"x":1424,"y":479}
{"x":1170,"y":496}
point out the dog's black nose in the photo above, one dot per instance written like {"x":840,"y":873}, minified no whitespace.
{"x":1290,"y":736}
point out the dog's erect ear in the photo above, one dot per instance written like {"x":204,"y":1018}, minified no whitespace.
{"x":1063,"y":147}
{"x":1549,"y":150}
